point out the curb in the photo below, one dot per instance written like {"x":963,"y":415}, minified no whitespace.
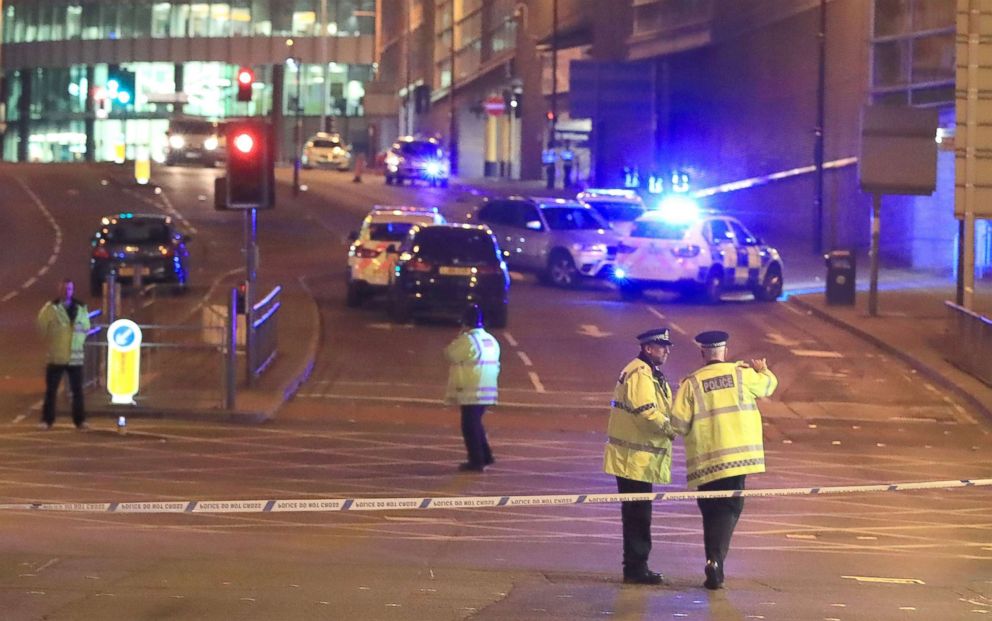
{"x":914,"y":363}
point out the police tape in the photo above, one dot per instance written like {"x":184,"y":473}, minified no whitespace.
{"x":461,"y":502}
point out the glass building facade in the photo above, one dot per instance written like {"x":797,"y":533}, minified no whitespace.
{"x":178,"y":58}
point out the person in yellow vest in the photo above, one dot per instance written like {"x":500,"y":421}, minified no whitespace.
{"x":472,"y":384}
{"x":639,"y":447}
{"x":63,"y":323}
{"x":717,"y":412}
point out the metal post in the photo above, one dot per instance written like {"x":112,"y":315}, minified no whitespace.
{"x":453,"y":121}
{"x":818,"y":148}
{"x":111,"y":291}
{"x":231,"y":353}
{"x":554,"y":74}
{"x":968,"y":265}
{"x":966,"y":238}
{"x":324,"y":94}
{"x":251,"y":252}
{"x":298,"y":131}
{"x":876,"y":212}
{"x":408,"y":116}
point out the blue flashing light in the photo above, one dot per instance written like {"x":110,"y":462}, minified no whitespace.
{"x":434,"y":169}
{"x":678,"y":209}
{"x":619,"y":273}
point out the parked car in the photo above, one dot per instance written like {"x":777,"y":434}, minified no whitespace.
{"x":195,"y":140}
{"x":443,"y":268}
{"x":618,"y":207}
{"x":559,"y":239}
{"x":324,"y":150}
{"x":370,"y":262}
{"x":417,"y":159}
{"x":148,"y":246}
{"x":706,"y":254}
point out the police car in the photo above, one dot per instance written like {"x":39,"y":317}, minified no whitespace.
{"x":618,"y":207}
{"x":372,"y":255}
{"x":676,"y":247}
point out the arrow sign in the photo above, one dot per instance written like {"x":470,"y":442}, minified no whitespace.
{"x":588,"y":329}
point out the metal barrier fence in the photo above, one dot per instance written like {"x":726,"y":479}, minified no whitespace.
{"x":969,"y":341}
{"x":263,"y":340}
{"x":91,"y":354}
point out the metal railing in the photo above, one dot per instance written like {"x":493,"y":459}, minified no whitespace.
{"x":969,"y":341}
{"x":263,"y":342}
{"x":92,"y":364}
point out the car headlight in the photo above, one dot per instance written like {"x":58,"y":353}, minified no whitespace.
{"x":177,"y":142}
{"x":392,"y":160}
{"x":210,"y":143}
{"x":597,"y":247}
{"x":434,"y":169}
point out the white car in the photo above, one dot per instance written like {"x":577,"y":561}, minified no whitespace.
{"x":325,"y":150}
{"x":707,"y":254}
{"x":372,"y":254}
{"x":618,"y":207}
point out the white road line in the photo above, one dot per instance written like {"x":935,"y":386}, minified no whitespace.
{"x":792,"y":310}
{"x":675,"y":326}
{"x":19,"y":418}
{"x":538,"y":386}
{"x":656,"y":313}
{"x":813,"y":353}
{"x":43,"y":271}
{"x":56,"y":247}
{"x":509,"y":339}
{"x":525,"y":358}
{"x":9,"y":296}
{"x":29,"y":282}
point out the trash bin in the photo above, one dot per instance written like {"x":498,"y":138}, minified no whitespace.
{"x":841,"y":274}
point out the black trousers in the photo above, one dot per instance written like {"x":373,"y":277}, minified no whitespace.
{"x":474,"y":434}
{"x":636,"y":518}
{"x":720,"y":517}
{"x":53,"y":376}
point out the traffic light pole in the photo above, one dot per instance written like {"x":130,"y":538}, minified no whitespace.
{"x":251,"y":256}
{"x":298,"y":131}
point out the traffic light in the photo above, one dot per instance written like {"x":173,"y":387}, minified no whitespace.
{"x":245,"y":79}
{"x":120,"y":86}
{"x":250,"y":167}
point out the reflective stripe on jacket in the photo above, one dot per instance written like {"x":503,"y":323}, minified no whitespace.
{"x":715,"y":409}
{"x":474,"y":370}
{"x":639,"y":434}
{"x":64,"y":337}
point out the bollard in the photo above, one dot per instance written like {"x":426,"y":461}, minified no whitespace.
{"x":121,"y":425}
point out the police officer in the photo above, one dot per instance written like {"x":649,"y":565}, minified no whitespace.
{"x":715,"y":409}
{"x":639,"y":447}
{"x":63,"y":323}
{"x":472,"y":384}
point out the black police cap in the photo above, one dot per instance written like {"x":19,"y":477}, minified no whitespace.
{"x":658,"y":335}
{"x":712,"y":338}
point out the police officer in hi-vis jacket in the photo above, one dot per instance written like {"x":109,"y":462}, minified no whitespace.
{"x":716,"y":409}
{"x":639,"y":447}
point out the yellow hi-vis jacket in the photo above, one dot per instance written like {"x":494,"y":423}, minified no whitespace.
{"x":63,"y":336}
{"x":715,"y":409}
{"x":639,"y":434}
{"x":474,"y":370}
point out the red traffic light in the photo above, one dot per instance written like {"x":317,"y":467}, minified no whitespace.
{"x":244,"y":142}
{"x":245,"y":79}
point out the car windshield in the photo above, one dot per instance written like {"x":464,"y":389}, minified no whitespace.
{"x":456,"y":246}
{"x":617,"y":211}
{"x":192,"y":127}
{"x":326,"y":144}
{"x":570,"y":218}
{"x":389,"y":231}
{"x":420,"y":149}
{"x":659,"y":229}
{"x":139,"y":232}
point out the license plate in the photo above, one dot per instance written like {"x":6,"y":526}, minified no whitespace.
{"x":447,"y":270}
{"x":129,"y":271}
{"x":191,"y":154}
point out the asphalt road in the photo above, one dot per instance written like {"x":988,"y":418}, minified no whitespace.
{"x":369,"y":424}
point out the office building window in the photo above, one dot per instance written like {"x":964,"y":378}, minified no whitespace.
{"x":160,"y":19}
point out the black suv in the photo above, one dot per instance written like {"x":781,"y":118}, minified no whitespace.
{"x":148,"y":246}
{"x":442,"y":268}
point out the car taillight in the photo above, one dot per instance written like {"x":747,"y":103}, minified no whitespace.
{"x":419,"y":265}
{"x":625,"y":249}
{"x":367,"y":253}
{"x":101,"y":253}
{"x":686,"y":252}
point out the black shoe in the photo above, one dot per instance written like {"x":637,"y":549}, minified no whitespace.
{"x":470,"y":467}
{"x":490,"y":461}
{"x":714,"y":575}
{"x":643,"y":577}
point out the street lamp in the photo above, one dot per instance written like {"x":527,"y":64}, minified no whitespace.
{"x":295,"y":62}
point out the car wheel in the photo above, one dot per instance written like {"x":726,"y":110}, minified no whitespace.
{"x":354,"y":296}
{"x":713,"y":287}
{"x":497,"y":316}
{"x":771,"y":285}
{"x":630,"y":291}
{"x":561,"y":270}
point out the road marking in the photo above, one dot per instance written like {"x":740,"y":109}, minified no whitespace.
{"x":525,"y":358}
{"x":516,"y":277}
{"x":656,"y":313}
{"x":9,"y":296}
{"x":56,"y":247}
{"x":588,"y":329}
{"x":509,"y":339}
{"x":795,"y":311}
{"x":538,"y":386}
{"x":798,"y":536}
{"x":46,"y":565}
{"x":671,"y":324}
{"x":777,"y":339}
{"x":29,"y":282}
{"x":814,"y":353}
{"x":440,"y":403}
{"x":878,"y":580}
{"x":677,"y":328}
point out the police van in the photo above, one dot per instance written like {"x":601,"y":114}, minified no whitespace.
{"x":679,"y":248}
{"x":372,"y":254}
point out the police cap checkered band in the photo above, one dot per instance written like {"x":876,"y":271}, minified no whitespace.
{"x":712,"y":338}
{"x":659,"y":335}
